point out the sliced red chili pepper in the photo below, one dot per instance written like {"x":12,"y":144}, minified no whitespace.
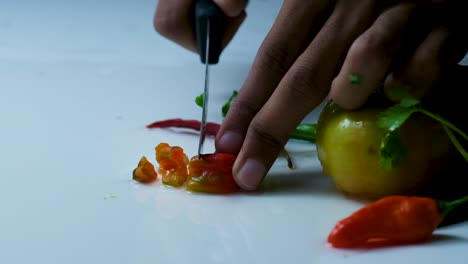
{"x":144,"y":172}
{"x":392,"y":220}
{"x":212,"y":173}
{"x":211,"y":128}
{"x":172,"y":164}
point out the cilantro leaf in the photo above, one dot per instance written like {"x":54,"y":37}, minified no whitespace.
{"x":409,"y":101}
{"x":392,"y":150}
{"x":227,"y":105}
{"x":393,"y":117}
{"x":398,"y":93}
{"x":354,"y":79}
{"x":199,"y":100}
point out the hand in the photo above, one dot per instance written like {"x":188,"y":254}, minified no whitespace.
{"x":174,"y":20}
{"x":310,"y":52}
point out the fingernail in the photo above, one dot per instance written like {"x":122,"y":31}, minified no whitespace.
{"x":249,"y":176}
{"x":229,"y":142}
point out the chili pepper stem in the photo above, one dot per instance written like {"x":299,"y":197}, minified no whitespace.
{"x":456,"y":143}
{"x":288,"y":158}
{"x":446,"y":207}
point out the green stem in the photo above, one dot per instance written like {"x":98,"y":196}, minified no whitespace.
{"x":444,"y":122}
{"x":447,"y":207}
{"x":456,"y":143}
{"x":307,"y":132}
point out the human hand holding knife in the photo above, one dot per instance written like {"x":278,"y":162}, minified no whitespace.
{"x":209,"y":26}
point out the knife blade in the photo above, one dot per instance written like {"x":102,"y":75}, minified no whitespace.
{"x":209,"y":25}
{"x":205,"y":91}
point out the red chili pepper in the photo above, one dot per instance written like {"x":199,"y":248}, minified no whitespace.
{"x":172,"y":164}
{"x":211,"y":128}
{"x":392,"y":220}
{"x":212,"y":173}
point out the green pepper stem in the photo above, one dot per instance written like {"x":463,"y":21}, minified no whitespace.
{"x":449,"y":127}
{"x":446,"y":207}
{"x":456,"y":143}
{"x":307,"y":132}
{"x":444,"y":122}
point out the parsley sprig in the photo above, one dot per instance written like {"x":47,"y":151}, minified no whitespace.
{"x":392,"y":150}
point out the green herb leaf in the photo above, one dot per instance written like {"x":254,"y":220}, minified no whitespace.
{"x":354,"y":79}
{"x":200,"y":99}
{"x":409,"y":101}
{"x":392,"y":150}
{"x":227,"y":105}
{"x":392,"y":118}
{"x":399,"y":93}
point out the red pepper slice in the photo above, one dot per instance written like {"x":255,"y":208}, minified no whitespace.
{"x":212,"y":173}
{"x":172,"y":164}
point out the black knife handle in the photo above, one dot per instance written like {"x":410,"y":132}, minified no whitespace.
{"x":207,"y":10}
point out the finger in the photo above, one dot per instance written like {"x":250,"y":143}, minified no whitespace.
{"x":235,"y":10}
{"x":444,"y":46}
{"x":173,"y":19}
{"x":302,"y":89}
{"x":232,"y":8}
{"x":287,"y":38}
{"x":232,"y":27}
{"x":371,"y":56}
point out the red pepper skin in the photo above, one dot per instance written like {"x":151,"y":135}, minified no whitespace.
{"x":212,"y":173}
{"x":211,"y":128}
{"x":391,"y":220}
{"x":172,"y":164}
{"x":145,"y":172}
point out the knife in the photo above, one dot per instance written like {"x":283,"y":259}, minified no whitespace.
{"x":209,"y":27}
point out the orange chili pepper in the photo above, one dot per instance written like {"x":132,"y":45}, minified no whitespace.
{"x":144,"y":172}
{"x":212,"y":173}
{"x":172,"y":164}
{"x":392,"y":220}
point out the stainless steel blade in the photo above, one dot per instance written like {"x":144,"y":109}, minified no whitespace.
{"x":205,"y":90}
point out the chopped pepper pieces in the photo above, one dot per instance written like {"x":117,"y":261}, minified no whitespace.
{"x":144,"y":172}
{"x":172,"y":164}
{"x":212,"y":173}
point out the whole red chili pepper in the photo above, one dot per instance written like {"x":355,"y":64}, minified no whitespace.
{"x":211,"y":128}
{"x":392,"y":220}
